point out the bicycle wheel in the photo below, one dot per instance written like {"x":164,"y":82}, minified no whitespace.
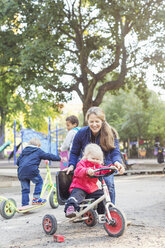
{"x":118,"y":226}
{"x":53,"y":199}
{"x":8,"y":208}
{"x":49,"y":224}
{"x":92,"y":218}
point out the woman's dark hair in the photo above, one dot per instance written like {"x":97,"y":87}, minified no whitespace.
{"x":73,"y":119}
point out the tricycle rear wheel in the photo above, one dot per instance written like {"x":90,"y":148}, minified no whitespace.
{"x":92,"y":218}
{"x":49,"y":224}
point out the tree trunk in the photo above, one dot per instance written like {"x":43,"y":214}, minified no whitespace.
{"x":138,"y":146}
{"x":128,"y":147}
{"x":2,"y":132}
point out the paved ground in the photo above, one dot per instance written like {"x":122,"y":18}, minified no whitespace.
{"x":8,"y":171}
{"x":140,"y":194}
{"x":141,"y":197}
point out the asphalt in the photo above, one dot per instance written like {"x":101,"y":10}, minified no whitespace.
{"x":8,"y":171}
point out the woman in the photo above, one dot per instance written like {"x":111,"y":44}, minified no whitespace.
{"x":98,"y":131}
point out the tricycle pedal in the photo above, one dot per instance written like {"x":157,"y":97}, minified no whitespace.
{"x":101,"y":218}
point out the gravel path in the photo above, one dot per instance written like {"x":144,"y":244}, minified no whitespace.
{"x":142,"y":198}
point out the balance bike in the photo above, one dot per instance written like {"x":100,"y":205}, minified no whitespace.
{"x":8,"y":206}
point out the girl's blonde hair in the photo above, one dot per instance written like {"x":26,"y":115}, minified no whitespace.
{"x":35,"y":142}
{"x":95,"y":151}
{"x":108,"y":133}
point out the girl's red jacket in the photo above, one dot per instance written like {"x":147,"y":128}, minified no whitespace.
{"x":82,"y":180}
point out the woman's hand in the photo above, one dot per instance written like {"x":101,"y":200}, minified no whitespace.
{"x":69,"y":169}
{"x":120,"y":167}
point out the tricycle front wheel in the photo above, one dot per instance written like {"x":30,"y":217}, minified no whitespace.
{"x":118,"y":225}
{"x":8,"y":208}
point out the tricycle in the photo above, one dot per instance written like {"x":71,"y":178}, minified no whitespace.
{"x":114,"y":220}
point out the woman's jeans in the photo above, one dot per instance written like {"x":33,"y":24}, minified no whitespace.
{"x":25,"y":186}
{"x":111,"y":187}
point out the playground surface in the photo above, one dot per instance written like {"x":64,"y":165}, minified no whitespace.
{"x":8,"y":171}
{"x":141,"y":197}
{"x":140,"y":166}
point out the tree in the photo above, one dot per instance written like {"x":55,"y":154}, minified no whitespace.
{"x":73,"y":45}
{"x":10,"y":103}
{"x":38,"y":108}
{"x":89,"y":47}
{"x":10,"y":79}
{"x":127,"y":114}
{"x":156,"y":127}
{"x":133,"y":118}
{"x":11,"y":71}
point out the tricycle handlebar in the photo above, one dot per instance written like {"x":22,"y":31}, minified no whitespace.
{"x":112,"y":169}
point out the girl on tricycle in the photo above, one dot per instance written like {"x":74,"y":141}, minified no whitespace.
{"x":84,"y":186}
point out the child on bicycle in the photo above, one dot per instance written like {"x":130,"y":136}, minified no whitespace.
{"x":82,"y":185}
{"x":28,"y":170}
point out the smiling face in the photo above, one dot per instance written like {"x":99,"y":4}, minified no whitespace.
{"x":94,"y":123}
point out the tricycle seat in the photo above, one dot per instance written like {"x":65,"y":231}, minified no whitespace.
{"x":63,"y":182}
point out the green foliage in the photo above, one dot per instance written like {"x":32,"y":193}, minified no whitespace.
{"x":156,"y":125}
{"x":133,"y":120}
{"x":10,"y":77}
{"x":37,"y":112}
{"x":71,"y":46}
{"x":17,"y":68}
{"x":67,"y":46}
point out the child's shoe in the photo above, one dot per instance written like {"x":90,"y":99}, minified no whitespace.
{"x":38,"y":201}
{"x":70,"y":212}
